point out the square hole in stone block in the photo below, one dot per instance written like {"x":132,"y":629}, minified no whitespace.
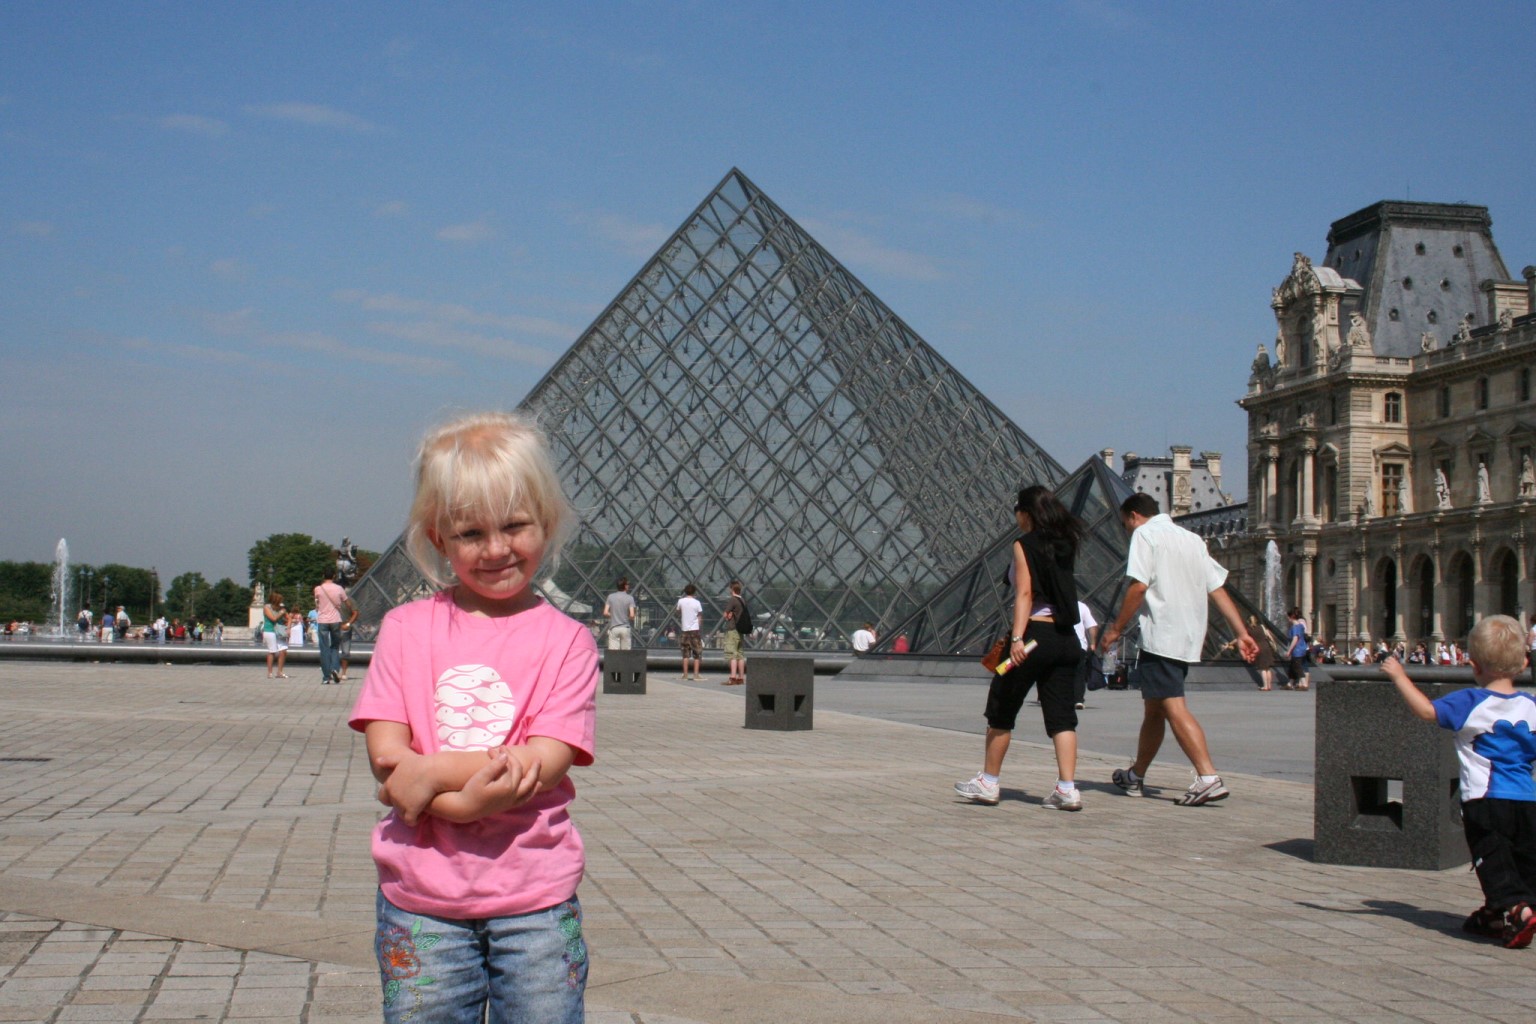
{"x":1378,"y":802}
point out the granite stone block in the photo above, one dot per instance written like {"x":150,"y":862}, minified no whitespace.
{"x":780,"y":694}
{"x":1386,"y":791}
{"x":624,"y":671}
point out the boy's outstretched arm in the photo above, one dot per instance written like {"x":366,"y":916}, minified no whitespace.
{"x":1416,"y":701}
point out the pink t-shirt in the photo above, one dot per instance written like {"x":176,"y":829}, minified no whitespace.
{"x":330,"y":599}
{"x":463,"y":682}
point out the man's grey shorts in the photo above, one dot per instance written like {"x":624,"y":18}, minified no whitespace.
{"x":1158,"y":677}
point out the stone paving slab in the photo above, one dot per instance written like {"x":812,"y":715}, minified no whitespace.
{"x":182,"y":843}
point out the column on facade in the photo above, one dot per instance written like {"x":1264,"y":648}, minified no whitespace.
{"x":1308,"y":600}
{"x":1442,"y":599}
{"x":1271,"y":485}
{"x":1527,"y":586}
{"x":1305,"y":508}
{"x":1401,"y":609}
{"x":1483,"y":598}
{"x":1364,"y":605}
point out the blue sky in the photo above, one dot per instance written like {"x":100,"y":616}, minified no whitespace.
{"x":248,"y":252}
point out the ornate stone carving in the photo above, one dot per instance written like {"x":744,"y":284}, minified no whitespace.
{"x":1428,"y":342}
{"x":1280,"y":349}
{"x":1369,"y":508}
{"x":1359,"y":333}
{"x":1484,"y":487}
{"x":1442,"y":490}
{"x":1527,"y":478}
{"x":1402,"y":496}
{"x":1463,"y":333}
{"x":1506,"y":320}
{"x":1261,"y":361}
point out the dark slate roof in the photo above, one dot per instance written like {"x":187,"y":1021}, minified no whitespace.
{"x":1426,"y":261}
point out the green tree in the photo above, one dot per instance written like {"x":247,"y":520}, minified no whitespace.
{"x":125,"y":585}
{"x":26,"y":591}
{"x":188,"y":596}
{"x":291,"y":563}
{"x":229,"y":601}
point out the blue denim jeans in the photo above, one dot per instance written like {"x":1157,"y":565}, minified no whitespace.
{"x":329,"y":634}
{"x":522,"y":969}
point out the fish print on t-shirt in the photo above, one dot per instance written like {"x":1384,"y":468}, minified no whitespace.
{"x":475,"y":709}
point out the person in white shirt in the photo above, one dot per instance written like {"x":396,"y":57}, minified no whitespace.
{"x":1362,"y":655}
{"x":1088,"y":638}
{"x":864,"y":638}
{"x":1171,"y":574}
{"x":689,"y":612}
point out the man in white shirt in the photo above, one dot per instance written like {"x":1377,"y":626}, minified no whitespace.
{"x":1087,"y":638}
{"x":1171,"y":575}
{"x":863,"y":638}
{"x":689,"y":612}
{"x":1362,"y":654}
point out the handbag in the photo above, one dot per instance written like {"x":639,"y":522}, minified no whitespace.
{"x":996,"y":654}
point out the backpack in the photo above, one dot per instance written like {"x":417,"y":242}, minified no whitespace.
{"x":743,"y":622}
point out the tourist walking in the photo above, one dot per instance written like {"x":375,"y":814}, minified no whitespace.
{"x":619,"y":609}
{"x":274,"y":621}
{"x":1172,"y":578}
{"x":1043,"y":648}
{"x":83,"y":623}
{"x":332,"y":608}
{"x":1265,"y":661}
{"x":1298,"y":665}
{"x":477,"y":702}
{"x":736,"y":627}
{"x":689,"y":614}
{"x":121,"y":623}
{"x":1087,"y":630}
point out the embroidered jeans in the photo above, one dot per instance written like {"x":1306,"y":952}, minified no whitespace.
{"x":528,"y":968}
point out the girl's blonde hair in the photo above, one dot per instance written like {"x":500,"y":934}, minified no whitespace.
{"x":489,"y":464}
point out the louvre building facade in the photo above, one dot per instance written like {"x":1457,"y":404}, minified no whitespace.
{"x":745,"y":408}
{"x":1391,"y":437}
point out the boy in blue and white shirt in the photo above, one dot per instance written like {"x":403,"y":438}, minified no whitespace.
{"x":1495,"y":728}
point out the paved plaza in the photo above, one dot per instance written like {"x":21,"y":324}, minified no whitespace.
{"x":185,"y":843}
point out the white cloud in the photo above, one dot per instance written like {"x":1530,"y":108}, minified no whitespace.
{"x":314,"y":115}
{"x":967,"y":208}
{"x":393,"y":208}
{"x":443,"y":336}
{"x":196,"y":124}
{"x":474,"y":231}
{"x":453,"y":313}
{"x":323,"y":344}
{"x":229,"y":324}
{"x":229,"y":269}
{"x":181,"y":351}
{"x":632,"y":237}
{"x":859,"y":250}
{"x":34,"y":228}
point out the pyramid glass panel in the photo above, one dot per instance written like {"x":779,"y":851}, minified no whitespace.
{"x":974,"y":608}
{"x":746,"y":408}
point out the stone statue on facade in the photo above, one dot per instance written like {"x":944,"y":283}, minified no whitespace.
{"x":1527,"y":478}
{"x":1428,"y":342}
{"x":1359,"y":333}
{"x":1402,"y":496}
{"x":1261,"y":361}
{"x":1442,"y":490}
{"x":1280,"y":349}
{"x":346,"y":563}
{"x":1463,"y":333}
{"x":1506,"y":320}
{"x":1369,"y":508}
{"x":1484,"y":487}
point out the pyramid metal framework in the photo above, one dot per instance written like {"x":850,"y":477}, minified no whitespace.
{"x":976,"y":606}
{"x":746,"y":408}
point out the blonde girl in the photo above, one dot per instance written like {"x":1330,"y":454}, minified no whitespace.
{"x":477,"y":702}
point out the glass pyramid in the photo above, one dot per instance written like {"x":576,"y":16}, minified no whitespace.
{"x":975,"y":607}
{"x":745,"y":408}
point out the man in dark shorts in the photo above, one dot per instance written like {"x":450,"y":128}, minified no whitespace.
{"x":1171,"y":575}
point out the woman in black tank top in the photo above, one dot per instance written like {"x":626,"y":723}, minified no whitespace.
{"x":1043,"y":651}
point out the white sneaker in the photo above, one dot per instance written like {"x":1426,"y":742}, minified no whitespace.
{"x":977,"y":791}
{"x":1059,"y":801}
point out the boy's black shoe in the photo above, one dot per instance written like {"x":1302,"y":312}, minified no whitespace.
{"x":1518,"y":928}
{"x":1486,"y":922}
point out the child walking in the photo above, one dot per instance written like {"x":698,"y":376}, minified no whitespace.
{"x":1494,"y":744}
{"x":477,"y":702}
